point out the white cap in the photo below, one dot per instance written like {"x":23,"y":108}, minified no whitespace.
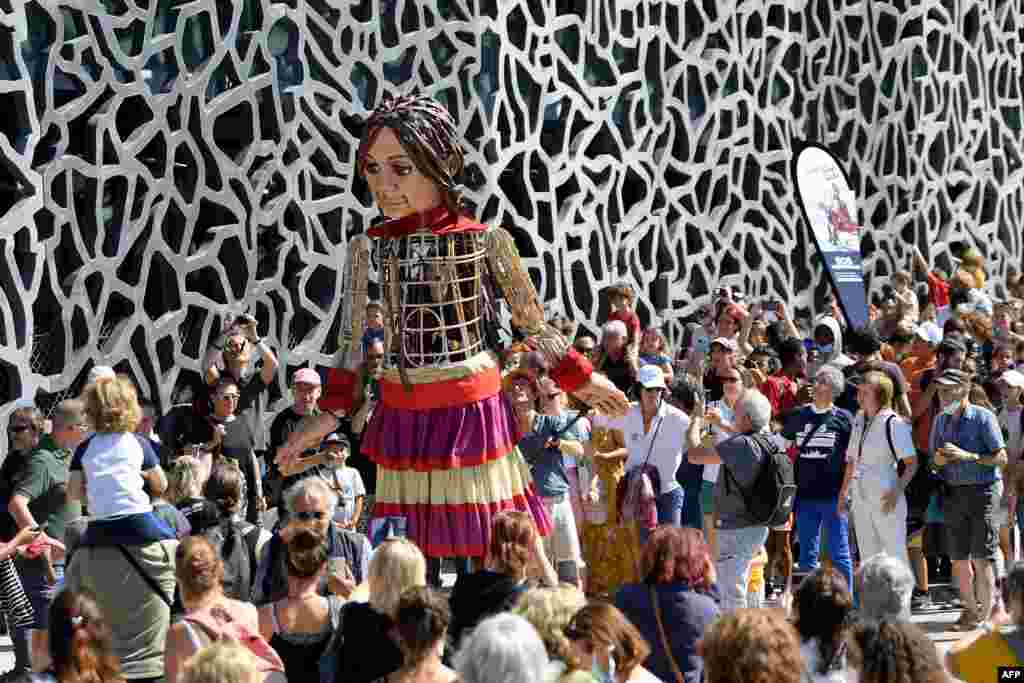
{"x":100,"y":372}
{"x":1012,"y":378}
{"x":651,"y":377}
{"x":930,"y":332}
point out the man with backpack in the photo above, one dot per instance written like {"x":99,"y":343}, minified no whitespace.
{"x":755,"y":490}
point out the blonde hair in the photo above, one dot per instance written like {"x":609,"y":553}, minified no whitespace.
{"x":112,"y":405}
{"x":882,"y":387}
{"x":550,"y":610}
{"x":183,"y":479}
{"x":224,"y":661}
{"x":399,"y":565}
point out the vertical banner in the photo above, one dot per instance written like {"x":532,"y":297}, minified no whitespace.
{"x":830,"y":209}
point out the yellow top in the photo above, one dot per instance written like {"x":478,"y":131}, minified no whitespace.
{"x":978,"y":662}
{"x":756,"y":582}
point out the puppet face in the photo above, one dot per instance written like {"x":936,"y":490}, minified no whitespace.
{"x":399,"y":187}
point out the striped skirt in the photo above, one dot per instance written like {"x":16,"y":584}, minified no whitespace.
{"x":447,"y":462}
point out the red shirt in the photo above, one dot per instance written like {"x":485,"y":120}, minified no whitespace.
{"x":938,"y":290}
{"x":781,"y":391}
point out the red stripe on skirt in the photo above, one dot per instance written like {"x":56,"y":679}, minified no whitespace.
{"x":450,"y":530}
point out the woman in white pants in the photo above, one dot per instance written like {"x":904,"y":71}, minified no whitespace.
{"x":879,"y":505}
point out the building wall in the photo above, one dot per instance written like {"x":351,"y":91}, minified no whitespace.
{"x":169,"y":163}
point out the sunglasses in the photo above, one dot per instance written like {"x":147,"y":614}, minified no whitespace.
{"x":17,"y":429}
{"x":309,"y":515}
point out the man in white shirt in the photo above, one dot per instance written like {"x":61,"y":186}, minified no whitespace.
{"x":655,"y":434}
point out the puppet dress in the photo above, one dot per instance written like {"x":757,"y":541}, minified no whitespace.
{"x":443,"y":435}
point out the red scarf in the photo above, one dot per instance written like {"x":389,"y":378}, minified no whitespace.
{"x":439,"y":221}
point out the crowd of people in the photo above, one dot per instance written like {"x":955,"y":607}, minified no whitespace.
{"x":592,"y":538}
{"x":173,"y":547}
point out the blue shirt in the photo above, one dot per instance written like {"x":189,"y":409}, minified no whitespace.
{"x":547,"y":464}
{"x":976,"y":430}
{"x":820,"y":464}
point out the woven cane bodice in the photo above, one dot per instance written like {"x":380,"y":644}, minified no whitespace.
{"x":432,"y":291}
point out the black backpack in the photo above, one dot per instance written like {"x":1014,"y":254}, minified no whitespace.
{"x":769,"y":500}
{"x":235,"y":542}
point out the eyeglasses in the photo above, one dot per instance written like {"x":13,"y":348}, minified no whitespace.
{"x":229,"y":397}
{"x":309,"y":515}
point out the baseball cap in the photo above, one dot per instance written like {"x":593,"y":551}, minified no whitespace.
{"x":306,"y":376}
{"x":951,"y":377}
{"x":929,"y":332}
{"x":980,"y":301}
{"x":336,"y":437}
{"x":952,"y":345}
{"x":1012,"y":378}
{"x":725,"y":343}
{"x":651,"y":377}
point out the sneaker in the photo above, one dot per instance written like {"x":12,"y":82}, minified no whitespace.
{"x":920,"y":600}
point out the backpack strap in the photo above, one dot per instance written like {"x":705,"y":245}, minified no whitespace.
{"x":252,"y":538}
{"x":144,"y":575}
{"x":888,"y":437}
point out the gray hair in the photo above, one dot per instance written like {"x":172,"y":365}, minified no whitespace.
{"x":886,"y":587}
{"x":614,"y":327}
{"x":504,"y":648}
{"x":311,"y":486}
{"x":834,"y":377}
{"x":757,"y":408}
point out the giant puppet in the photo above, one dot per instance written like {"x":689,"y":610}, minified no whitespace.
{"x":443,"y":435}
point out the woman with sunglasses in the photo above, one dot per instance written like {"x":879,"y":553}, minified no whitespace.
{"x":655,"y":434}
{"x":232,"y":438}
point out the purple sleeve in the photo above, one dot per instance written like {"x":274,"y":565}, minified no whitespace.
{"x":76,"y":457}
{"x":150,"y":459}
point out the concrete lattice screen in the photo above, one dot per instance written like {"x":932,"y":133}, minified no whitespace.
{"x":165,"y":163}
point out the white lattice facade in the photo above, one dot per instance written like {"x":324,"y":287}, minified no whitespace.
{"x":165,"y":163}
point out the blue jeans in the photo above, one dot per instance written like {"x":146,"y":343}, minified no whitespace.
{"x":810,"y":516}
{"x":736,"y":548}
{"x":670,"y":510}
{"x":693,"y":513}
{"x":40,"y":594}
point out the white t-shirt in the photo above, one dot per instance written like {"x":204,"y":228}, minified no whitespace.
{"x":113,"y":464}
{"x":348,"y":484}
{"x":668,"y":449}
{"x":875,"y":463}
{"x":729,"y":415}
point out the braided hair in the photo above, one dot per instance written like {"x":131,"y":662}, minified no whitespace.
{"x":429,"y":135}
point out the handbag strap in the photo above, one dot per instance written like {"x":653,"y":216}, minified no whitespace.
{"x":150,"y":581}
{"x":664,"y":638}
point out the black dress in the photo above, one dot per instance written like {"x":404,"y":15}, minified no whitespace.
{"x":480,"y":595}
{"x":367,"y":653}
